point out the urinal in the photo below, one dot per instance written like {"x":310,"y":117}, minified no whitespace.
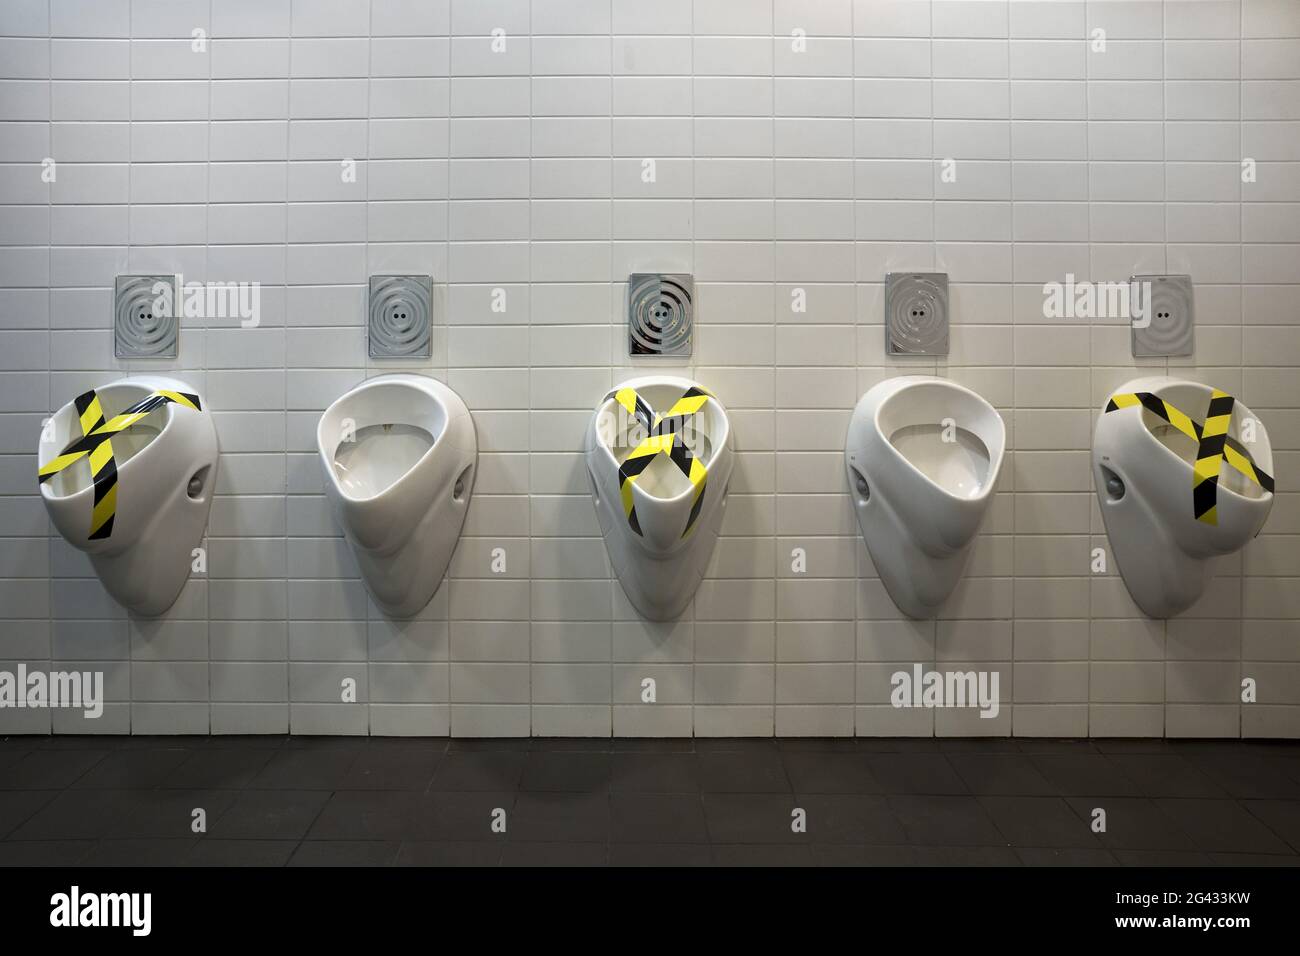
{"x":399,"y":453}
{"x":1184,"y":473}
{"x":658,"y":453}
{"x":923,"y":455}
{"x":126,"y":473}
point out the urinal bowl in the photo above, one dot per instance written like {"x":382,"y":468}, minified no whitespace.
{"x":399,"y":454}
{"x":923,"y":456}
{"x":659,"y":550}
{"x":1143,"y":468}
{"x":166,"y":468}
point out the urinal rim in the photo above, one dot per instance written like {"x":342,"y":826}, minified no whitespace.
{"x":148,"y":383}
{"x":718,"y":448}
{"x":420,"y":383}
{"x":1153,"y":384}
{"x":902,"y":383}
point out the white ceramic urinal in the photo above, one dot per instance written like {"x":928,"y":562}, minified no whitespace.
{"x":1184,"y":473}
{"x":399,"y":453}
{"x":659,"y":457}
{"x":126,"y":472}
{"x":923,"y":455}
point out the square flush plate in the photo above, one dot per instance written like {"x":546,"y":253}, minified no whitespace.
{"x":916,"y":313}
{"x":660,"y":313}
{"x":1164,"y":316}
{"x":146,"y":317}
{"x":400,"y":321}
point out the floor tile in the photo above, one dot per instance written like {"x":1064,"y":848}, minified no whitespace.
{"x":945,"y":821}
{"x":830,"y":772}
{"x":1252,"y":859}
{"x":742,"y":854}
{"x":1249,"y":776}
{"x":654,"y":772}
{"x":1166,"y":775}
{"x":844,"y":854}
{"x":1175,"y":858}
{"x":494,"y":770}
{"x":245,"y":741}
{"x":468,"y":816}
{"x":18,"y":806}
{"x":387,"y":768}
{"x":446,"y":853}
{"x":966,"y":856}
{"x":132,"y":769}
{"x":139,"y":852}
{"x":1222,"y":826}
{"x":1066,"y":856}
{"x":269,"y":815}
{"x":1280,"y":816}
{"x":554,"y":854}
{"x":571,"y":744}
{"x":713,"y":745}
{"x":1039,"y":822}
{"x":218,"y":768}
{"x":747,"y":771}
{"x":1055,"y":746}
{"x":345,"y":853}
{"x":169,"y":814}
{"x":77,"y":815}
{"x":50,"y":769}
{"x":849,"y":818}
{"x":374,"y":815}
{"x":998,"y":773}
{"x":915,"y":773}
{"x":657,"y":818}
{"x":1133,"y":823}
{"x":561,"y":770}
{"x":751,"y":818}
{"x":821,"y":745}
{"x":241,"y":853}
{"x":44,"y":852}
{"x":560,"y":817}
{"x":306,"y":768}
{"x":978,"y":745}
{"x":488,"y":744}
{"x":657,"y":745}
{"x":1076,"y":774}
{"x":660,"y":854}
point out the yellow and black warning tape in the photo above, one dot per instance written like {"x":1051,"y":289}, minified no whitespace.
{"x":96,"y":444}
{"x":663,"y":437}
{"x":1214,"y":446}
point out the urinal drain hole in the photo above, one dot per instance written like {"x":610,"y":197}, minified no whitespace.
{"x":194,"y":489}
{"x":860,"y":484}
{"x":1114,"y":484}
{"x":462,"y":482}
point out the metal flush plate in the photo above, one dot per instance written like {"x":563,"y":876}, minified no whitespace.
{"x":1163,"y":316}
{"x":146,"y":320}
{"x":916,"y":313}
{"x":660,"y":313}
{"x":400,"y":317}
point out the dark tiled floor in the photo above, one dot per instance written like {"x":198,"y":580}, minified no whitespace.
{"x":874,"y":802}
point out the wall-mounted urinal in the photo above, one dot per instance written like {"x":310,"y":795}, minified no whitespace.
{"x":126,"y":472}
{"x":923,"y":455}
{"x":1184,"y":473}
{"x":399,"y":453}
{"x":659,"y":457}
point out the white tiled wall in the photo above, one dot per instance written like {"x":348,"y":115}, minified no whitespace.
{"x":796,"y":144}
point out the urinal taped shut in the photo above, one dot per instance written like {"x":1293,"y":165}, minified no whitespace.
{"x":126,"y":473}
{"x":658,"y":453}
{"x":1184,"y":473}
{"x":398,"y":454}
{"x":923,"y":456}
